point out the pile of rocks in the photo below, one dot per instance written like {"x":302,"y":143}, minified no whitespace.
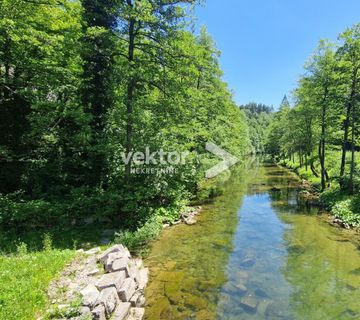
{"x":189,"y":217}
{"x":119,"y":293}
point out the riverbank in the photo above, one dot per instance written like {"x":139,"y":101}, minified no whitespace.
{"x":343,"y":208}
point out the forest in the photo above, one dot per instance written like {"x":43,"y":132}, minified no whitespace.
{"x":92,"y":90}
{"x":84,"y":82}
{"x":319,"y":136}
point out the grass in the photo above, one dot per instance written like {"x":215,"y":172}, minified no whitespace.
{"x":24,"y":278}
{"x":30,"y":260}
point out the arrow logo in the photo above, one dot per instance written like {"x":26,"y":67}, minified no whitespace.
{"x":228,"y":160}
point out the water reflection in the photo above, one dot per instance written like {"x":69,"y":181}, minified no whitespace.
{"x":302,"y":268}
{"x":187,"y":264}
{"x":256,"y":253}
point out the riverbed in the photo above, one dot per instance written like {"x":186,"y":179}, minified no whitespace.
{"x":257,"y":252}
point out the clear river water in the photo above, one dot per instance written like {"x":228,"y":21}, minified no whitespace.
{"x":257,"y":252}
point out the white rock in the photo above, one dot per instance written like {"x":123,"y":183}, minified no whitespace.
{"x":142,"y":278}
{"x":135,"y":298}
{"x":121,"y":264}
{"x":85,"y":311}
{"x":117,"y":248}
{"x":113,"y":257}
{"x":109,"y":299}
{"x":136,"y":314}
{"x":90,"y":296}
{"x":122,"y":311}
{"x":138,"y":299}
{"x":141,"y":301}
{"x":114,"y":279}
{"x":127,"y":290}
{"x":99,"y":312}
{"x":93,"y":272}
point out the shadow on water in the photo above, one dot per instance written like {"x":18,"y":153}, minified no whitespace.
{"x":256,"y":253}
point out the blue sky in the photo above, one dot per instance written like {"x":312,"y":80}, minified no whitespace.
{"x":265,"y":43}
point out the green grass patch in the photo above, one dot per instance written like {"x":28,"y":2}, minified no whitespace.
{"x":24,"y":279}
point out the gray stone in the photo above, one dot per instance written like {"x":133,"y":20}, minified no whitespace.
{"x":248,"y":262}
{"x":277,"y":310}
{"x":127,"y":289}
{"x":142,"y":278}
{"x":117,"y":248}
{"x":90,"y":296}
{"x":122,"y":311}
{"x":136,"y":314}
{"x":121,"y":264}
{"x":249,"y":304}
{"x":109,"y":299}
{"x":132,"y":270}
{"x":112,"y":257}
{"x":99,"y":313}
{"x":138,"y":263}
{"x":240,"y":288}
{"x":261,"y":293}
{"x":114,"y":279}
{"x":93,"y":272}
{"x":141,"y":301}
{"x":135,"y":298}
{"x":190,"y":221}
{"x":85,"y":311}
{"x":138,"y":299}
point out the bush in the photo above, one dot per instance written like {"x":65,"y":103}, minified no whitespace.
{"x":136,"y":240}
{"x":330,"y":197}
{"x":14,"y":210}
{"x":345,"y":210}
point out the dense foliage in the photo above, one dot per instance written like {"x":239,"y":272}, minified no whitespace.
{"x":258,"y":117}
{"x":321,"y":132}
{"x":82,"y":82}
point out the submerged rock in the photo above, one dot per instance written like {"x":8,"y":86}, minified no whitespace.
{"x":277,"y":310}
{"x":248,"y":262}
{"x":249,"y":304}
{"x":261,"y":293}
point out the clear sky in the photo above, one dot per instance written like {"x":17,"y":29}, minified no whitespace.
{"x":265,"y":43}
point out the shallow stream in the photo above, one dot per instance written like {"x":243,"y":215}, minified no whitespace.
{"x":257,"y":252}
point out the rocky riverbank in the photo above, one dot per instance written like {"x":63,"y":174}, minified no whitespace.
{"x":311,"y":196}
{"x":100,"y":285}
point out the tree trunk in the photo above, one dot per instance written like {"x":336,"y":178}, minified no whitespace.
{"x":345,"y":141}
{"x":130,"y":97}
{"x":349,"y":108}
{"x":352,"y":165}
{"x":322,"y":148}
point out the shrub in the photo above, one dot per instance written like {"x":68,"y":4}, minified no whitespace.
{"x":346,"y":211}
{"x":135,"y":240}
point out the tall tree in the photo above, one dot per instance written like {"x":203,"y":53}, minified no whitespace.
{"x":100,"y":20}
{"x":349,"y":54}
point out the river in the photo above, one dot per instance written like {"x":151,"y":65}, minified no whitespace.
{"x":257,"y":252}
